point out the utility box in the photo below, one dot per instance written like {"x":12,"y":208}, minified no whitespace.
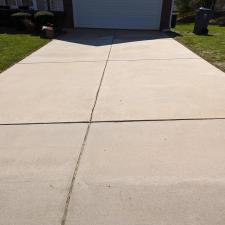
{"x":202,"y":21}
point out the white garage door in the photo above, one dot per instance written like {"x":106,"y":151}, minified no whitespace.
{"x":123,"y":14}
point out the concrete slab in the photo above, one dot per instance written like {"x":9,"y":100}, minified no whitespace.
{"x":138,"y":34}
{"x":151,"y":173}
{"x":36,"y":168}
{"x":78,"y":46}
{"x":148,"y":47}
{"x":161,"y":89}
{"x":48,"y":92}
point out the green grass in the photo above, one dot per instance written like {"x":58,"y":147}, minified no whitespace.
{"x":14,"y":47}
{"x":210,"y":47}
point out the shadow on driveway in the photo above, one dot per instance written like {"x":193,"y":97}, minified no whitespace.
{"x":100,"y":37}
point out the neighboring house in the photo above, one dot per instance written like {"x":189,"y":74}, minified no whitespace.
{"x":120,"y":14}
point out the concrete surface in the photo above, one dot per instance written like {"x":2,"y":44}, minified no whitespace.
{"x":36,"y":167}
{"x":49,"y":92}
{"x":125,"y":173}
{"x":161,"y":89}
{"x":151,"y":173}
{"x":156,"y":48}
{"x":74,"y":47}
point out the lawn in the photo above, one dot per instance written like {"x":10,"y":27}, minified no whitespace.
{"x":210,"y":47}
{"x":14,"y":47}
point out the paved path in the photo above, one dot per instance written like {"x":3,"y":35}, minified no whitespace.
{"x":112,"y":128}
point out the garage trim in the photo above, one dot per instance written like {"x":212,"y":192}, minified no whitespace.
{"x":166,"y":14}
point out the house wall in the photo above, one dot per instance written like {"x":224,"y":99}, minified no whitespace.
{"x":42,"y":5}
{"x":67,"y":6}
{"x":57,"y":5}
{"x":12,"y":3}
{"x":2,"y":2}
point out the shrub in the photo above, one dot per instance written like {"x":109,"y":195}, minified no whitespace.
{"x":5,"y":17}
{"x":29,"y":25}
{"x":43,"y":18}
{"x":19,"y":19}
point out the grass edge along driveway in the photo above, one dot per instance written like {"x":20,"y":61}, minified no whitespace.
{"x":210,"y":47}
{"x":15,"y":47}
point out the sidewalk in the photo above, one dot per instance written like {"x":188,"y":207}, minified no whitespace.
{"x":112,"y":127}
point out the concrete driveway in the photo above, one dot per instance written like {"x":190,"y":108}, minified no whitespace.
{"x":108,"y":127}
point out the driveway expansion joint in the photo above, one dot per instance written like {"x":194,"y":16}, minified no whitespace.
{"x":65,"y":62}
{"x":151,"y":59}
{"x":64,"y":217}
{"x":108,"y":60}
{"x":43,"y":123}
{"x":113,"y":121}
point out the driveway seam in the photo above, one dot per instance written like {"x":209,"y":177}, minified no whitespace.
{"x":43,"y":123}
{"x":157,"y":120}
{"x":65,"y":213}
{"x":162,"y":59}
{"x":111,"y":60}
{"x":75,"y":61}
{"x":113,"y":121}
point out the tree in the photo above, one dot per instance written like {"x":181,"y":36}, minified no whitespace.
{"x":213,"y":4}
{"x":183,"y":6}
{"x":187,"y":6}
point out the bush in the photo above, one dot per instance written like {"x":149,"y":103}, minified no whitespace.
{"x":43,"y":18}
{"x":29,"y":25}
{"x":5,"y":17}
{"x":19,"y":19}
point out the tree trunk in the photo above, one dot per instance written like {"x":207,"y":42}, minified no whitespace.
{"x":210,"y":4}
{"x":213,"y":4}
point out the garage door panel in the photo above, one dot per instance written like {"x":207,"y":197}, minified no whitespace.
{"x":133,"y":14}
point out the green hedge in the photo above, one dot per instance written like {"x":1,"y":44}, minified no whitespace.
{"x":20,"y":19}
{"x":43,"y":18}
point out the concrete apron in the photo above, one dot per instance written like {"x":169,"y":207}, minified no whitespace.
{"x":157,"y":159}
